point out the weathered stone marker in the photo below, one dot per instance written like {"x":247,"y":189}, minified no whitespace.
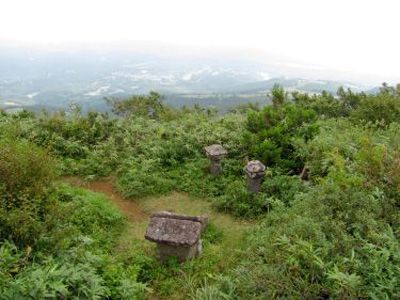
{"x":176,"y":235}
{"x":215,"y":153}
{"x":255,"y":172}
{"x":305,"y":173}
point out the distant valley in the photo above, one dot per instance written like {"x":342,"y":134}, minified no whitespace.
{"x":51,"y":79}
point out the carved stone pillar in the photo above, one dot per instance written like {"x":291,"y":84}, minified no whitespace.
{"x":255,"y":172}
{"x":215,"y":153}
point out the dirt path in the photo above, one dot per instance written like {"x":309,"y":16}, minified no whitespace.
{"x":223,"y":254}
{"x":129,"y":208}
{"x":138,"y":212}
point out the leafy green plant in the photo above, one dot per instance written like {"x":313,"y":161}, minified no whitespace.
{"x":26,"y":175}
{"x":271,"y":131}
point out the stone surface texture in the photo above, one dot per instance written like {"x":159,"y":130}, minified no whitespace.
{"x":215,"y":153}
{"x":176,"y":235}
{"x":255,"y":172}
{"x":254,"y":169}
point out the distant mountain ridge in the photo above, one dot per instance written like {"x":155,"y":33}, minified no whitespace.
{"x":54,"y":79}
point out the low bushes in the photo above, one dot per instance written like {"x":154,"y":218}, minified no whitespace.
{"x":72,"y":257}
{"x":26,"y":175}
{"x":335,"y":235}
{"x":55,"y":240}
{"x":339,"y":237}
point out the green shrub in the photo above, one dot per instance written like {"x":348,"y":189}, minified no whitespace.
{"x":334,"y":236}
{"x":271,"y":131}
{"x":96,"y":278}
{"x":339,"y":238}
{"x":146,"y":178}
{"x":276,"y":191}
{"x":26,"y":173}
{"x":242,"y":203}
{"x":26,"y":176}
{"x":383,"y":108}
{"x":73,"y":256}
{"x":283,"y":188}
{"x":139,"y":105}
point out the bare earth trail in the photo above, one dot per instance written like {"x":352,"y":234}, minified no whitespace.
{"x":138,"y":212}
{"x":137,"y":218}
{"x":129,"y":208}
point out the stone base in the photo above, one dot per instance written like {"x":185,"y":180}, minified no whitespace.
{"x":182,"y":253}
{"x":215,"y":167}
{"x":254,"y":184}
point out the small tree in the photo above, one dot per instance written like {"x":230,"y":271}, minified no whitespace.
{"x":279,"y":96}
{"x":270,"y":134}
{"x":142,"y":105}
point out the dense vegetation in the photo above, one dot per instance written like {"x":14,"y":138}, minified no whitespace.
{"x":334,"y":235}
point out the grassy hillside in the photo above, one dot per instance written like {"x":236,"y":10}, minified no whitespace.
{"x":334,"y":235}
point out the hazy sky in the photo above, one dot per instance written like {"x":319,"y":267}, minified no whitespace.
{"x":361,"y":36}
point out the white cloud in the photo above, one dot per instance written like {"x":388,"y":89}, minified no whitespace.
{"x":360,"y":36}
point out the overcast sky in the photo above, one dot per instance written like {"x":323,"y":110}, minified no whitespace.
{"x":359,"y":36}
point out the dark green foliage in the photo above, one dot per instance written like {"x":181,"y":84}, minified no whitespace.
{"x":26,"y":175}
{"x":71,"y":258}
{"x":279,"y":95}
{"x":325,"y":105}
{"x":144,"y":179}
{"x":276,"y":191}
{"x":139,"y":105}
{"x":25,"y":172}
{"x":340,"y":237}
{"x":349,"y":100}
{"x":383,"y":108}
{"x":51,"y":281}
{"x":169,"y":155}
{"x":242,"y":203}
{"x":272,"y":130}
{"x":334,"y":236}
{"x":54,"y":241}
{"x":86,"y":145}
{"x":283,"y":188}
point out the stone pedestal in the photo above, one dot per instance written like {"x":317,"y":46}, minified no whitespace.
{"x":215,"y":153}
{"x":176,"y":235}
{"x":255,"y":172}
{"x":215,"y":166}
{"x":254,"y":184}
{"x":181,"y":253}
{"x":305,"y":173}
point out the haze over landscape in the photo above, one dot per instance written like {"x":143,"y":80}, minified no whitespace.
{"x":201,"y":150}
{"x":220,"y":53}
